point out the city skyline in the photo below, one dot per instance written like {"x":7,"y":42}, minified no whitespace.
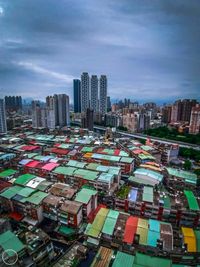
{"x":143,"y":49}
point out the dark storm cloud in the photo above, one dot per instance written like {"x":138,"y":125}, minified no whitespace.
{"x":148,"y":49}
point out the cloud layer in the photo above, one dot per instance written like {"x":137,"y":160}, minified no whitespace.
{"x":148,"y":49}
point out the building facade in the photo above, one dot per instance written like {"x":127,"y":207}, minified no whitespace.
{"x":195,"y":120}
{"x":3,"y":124}
{"x":103,"y":94}
{"x":13,"y":103}
{"x":77,"y":95}
{"x":87,"y":120}
{"x":38,"y":115}
{"x":85,"y":91}
{"x":94,"y":93}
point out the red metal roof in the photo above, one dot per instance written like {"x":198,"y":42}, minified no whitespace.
{"x":138,"y":151}
{"x":59,"y":151}
{"x":117,"y":151}
{"x":16,"y":216}
{"x":4,"y":184}
{"x":32,"y":164}
{"x":50,"y":166}
{"x":56,"y":145}
{"x":29,"y":148}
{"x":130,"y":229}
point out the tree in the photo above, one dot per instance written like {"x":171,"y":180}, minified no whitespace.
{"x":187,"y":165}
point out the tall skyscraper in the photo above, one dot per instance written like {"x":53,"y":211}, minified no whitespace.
{"x":94,"y":93}
{"x":85,"y":92}
{"x":77,"y":95}
{"x":103,"y":94}
{"x":3,"y":124}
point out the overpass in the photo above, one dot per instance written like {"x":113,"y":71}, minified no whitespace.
{"x":155,"y":139}
{"x":144,"y":136}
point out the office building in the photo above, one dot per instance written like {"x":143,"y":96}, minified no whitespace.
{"x":77,"y":95}
{"x":195,"y":120}
{"x":3,"y":125}
{"x":85,"y":92}
{"x":103,"y":94}
{"x":94,"y":93}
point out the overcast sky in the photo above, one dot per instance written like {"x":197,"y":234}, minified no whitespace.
{"x":150,"y":50}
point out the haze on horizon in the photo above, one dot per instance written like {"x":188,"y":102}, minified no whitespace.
{"x":149,"y":50}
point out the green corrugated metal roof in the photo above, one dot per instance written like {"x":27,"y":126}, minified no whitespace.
{"x":113,"y":214}
{"x":148,"y":261}
{"x":106,"y":177}
{"x":66,"y":230}
{"x":31,"y":155}
{"x":9,"y":240}
{"x":87,"y":149}
{"x":25,"y":192}
{"x":167,"y":202}
{"x":86,"y":174}
{"x":126,"y":160}
{"x":110,"y":222}
{"x":76,"y":164}
{"x":141,"y":181}
{"x":192,"y":202}
{"x":197,"y":234}
{"x":98,"y":223}
{"x":123,"y":259}
{"x":7,"y":173}
{"x":144,"y":156}
{"x":84,"y":195}
{"x":187,"y":176}
{"x":150,"y":173}
{"x":11,"y":192}
{"x":36,"y":198}
{"x":147,"y":194}
{"x":146,"y":148}
{"x":64,"y":170}
{"x":24,"y":179}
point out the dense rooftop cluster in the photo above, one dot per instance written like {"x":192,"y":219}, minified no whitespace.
{"x":112,"y":195}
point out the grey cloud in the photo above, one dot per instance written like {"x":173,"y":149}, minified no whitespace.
{"x":143,"y":46}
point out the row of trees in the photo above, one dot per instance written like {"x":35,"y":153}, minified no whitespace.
{"x":173,"y":134}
